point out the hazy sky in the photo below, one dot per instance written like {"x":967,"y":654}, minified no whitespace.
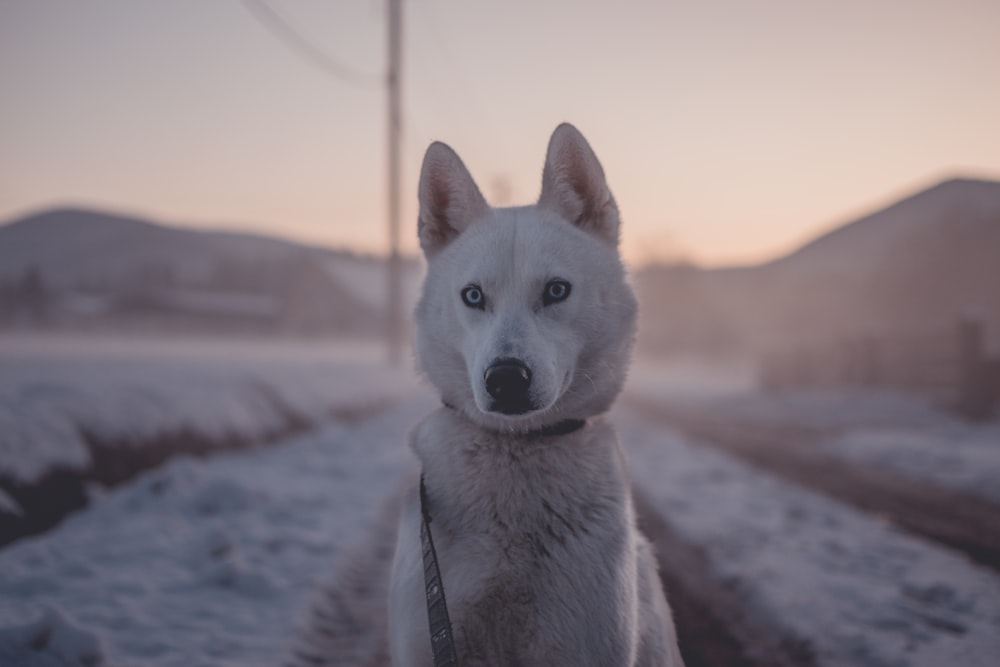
{"x":730,"y":130}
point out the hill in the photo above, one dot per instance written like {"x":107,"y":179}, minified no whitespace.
{"x":912,"y":267}
{"x":73,"y":268}
{"x":78,"y":247}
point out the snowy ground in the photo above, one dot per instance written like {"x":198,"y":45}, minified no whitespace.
{"x":55,"y":390}
{"x":903,"y":434}
{"x":957,"y":456}
{"x":209,"y":562}
{"x":854,"y":589}
{"x":215,"y":561}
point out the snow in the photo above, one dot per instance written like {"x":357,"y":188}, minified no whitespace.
{"x":858,"y":591}
{"x":211,"y":562}
{"x":904,"y":434}
{"x":54,"y":392}
{"x":216,"y":561}
{"x":961,"y":457}
{"x":50,"y":640}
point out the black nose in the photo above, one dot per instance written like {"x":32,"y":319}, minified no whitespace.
{"x":507,"y":381}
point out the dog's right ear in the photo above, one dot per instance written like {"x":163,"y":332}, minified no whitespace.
{"x":449,"y":198}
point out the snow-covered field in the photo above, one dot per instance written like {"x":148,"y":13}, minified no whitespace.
{"x":855,"y":590}
{"x":215,"y":561}
{"x":952,"y":455}
{"x":55,"y":392}
{"x":903,"y":434}
{"x":209,"y":562}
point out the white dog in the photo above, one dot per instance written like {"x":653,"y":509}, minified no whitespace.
{"x":525,"y":328}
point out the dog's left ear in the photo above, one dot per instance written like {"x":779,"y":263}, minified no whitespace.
{"x":573,"y":185}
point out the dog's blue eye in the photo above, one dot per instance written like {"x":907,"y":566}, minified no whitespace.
{"x":473,"y":297}
{"x":555,"y":291}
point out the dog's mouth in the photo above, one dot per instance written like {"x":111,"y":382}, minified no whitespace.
{"x":514,"y":406}
{"x":512,"y":409}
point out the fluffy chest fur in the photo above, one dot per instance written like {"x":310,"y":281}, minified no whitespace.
{"x":533,"y":539}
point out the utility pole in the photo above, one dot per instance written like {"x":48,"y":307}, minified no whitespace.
{"x":394,"y":319}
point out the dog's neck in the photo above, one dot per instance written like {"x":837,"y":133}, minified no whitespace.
{"x":564,"y":427}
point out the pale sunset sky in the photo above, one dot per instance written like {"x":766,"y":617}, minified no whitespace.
{"x":730,"y":130}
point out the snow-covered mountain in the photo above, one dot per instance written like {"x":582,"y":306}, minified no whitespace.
{"x":75,"y":267}
{"x":915,"y":266}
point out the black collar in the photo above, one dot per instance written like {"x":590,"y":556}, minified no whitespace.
{"x":564,"y":427}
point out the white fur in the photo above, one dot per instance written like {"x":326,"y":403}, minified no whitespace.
{"x":539,"y":553}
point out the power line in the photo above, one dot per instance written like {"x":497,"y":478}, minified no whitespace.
{"x":472,"y":102}
{"x":284,"y":31}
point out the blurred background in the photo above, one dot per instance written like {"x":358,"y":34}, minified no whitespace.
{"x":207,"y":245}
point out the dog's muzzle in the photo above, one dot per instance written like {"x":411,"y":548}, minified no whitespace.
{"x":508,"y":382}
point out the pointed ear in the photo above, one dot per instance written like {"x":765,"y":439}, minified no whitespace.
{"x":573,"y":185}
{"x":449,"y":198}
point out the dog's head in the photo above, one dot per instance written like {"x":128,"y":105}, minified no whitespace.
{"x":526,"y":317}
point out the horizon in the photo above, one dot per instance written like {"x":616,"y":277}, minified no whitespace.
{"x":730,"y":135}
{"x":234,"y":227}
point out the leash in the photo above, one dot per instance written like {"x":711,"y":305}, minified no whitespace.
{"x":442,"y":639}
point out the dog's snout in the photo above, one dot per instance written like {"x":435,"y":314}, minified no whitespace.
{"x":508,"y":381}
